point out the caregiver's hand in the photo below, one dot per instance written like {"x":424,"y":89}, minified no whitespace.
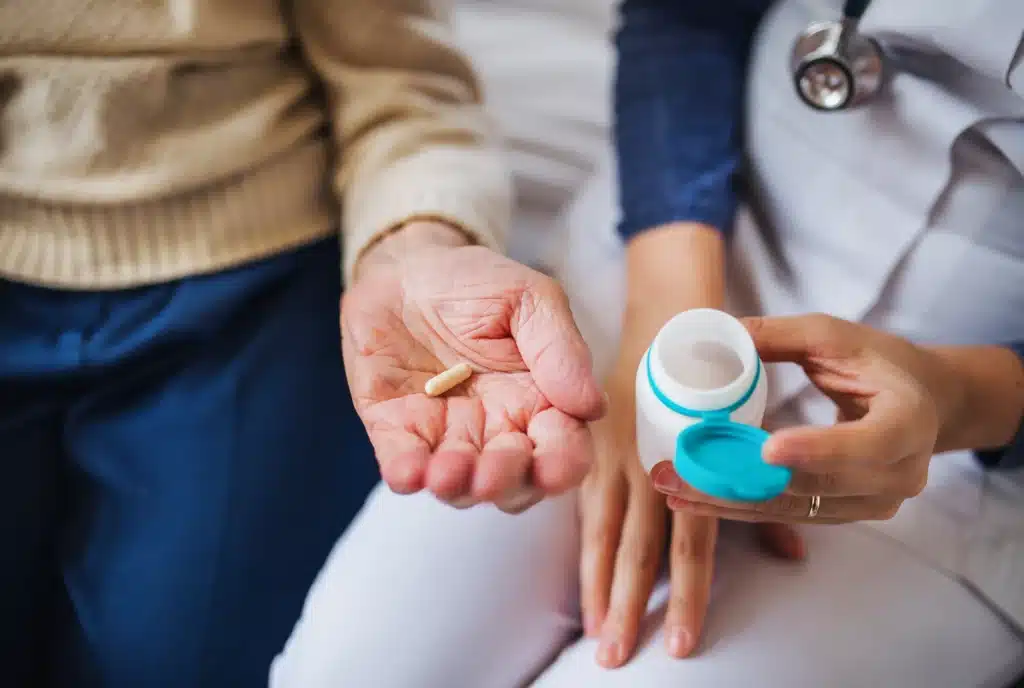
{"x":891,"y":397}
{"x":423,"y":301}
{"x":627,"y":529}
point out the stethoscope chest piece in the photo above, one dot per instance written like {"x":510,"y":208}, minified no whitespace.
{"x":835,"y":67}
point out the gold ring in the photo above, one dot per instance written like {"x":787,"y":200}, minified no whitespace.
{"x":815,"y":506}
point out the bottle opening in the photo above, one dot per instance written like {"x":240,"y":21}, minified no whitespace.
{"x":704,"y":360}
{"x":702,"y":365}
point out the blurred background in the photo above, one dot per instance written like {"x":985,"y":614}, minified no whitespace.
{"x":547,"y":67}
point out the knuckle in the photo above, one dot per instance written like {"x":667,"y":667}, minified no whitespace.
{"x":825,"y":334}
{"x":642,"y":493}
{"x":643,"y":553}
{"x":916,"y":399}
{"x":818,"y":483}
{"x":551,"y":288}
{"x":590,"y":487}
{"x":693,"y":539}
{"x":821,"y":324}
{"x":602,"y":480}
{"x":691,"y":548}
{"x":618,"y":614}
{"x":785,"y":505}
{"x":829,"y":483}
{"x":605,"y":538}
{"x":804,"y":483}
{"x":576,"y":470}
{"x":754,"y":325}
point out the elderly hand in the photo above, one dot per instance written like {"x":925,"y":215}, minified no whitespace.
{"x":517,"y":431}
{"x":891,"y":397}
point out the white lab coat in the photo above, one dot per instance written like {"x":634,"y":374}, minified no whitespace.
{"x":920,"y":200}
{"x":907,"y":214}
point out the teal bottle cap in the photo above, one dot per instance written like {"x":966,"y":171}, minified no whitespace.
{"x":720,"y":457}
{"x":723,"y":459}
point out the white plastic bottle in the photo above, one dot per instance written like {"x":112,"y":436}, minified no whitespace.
{"x":701,"y":394}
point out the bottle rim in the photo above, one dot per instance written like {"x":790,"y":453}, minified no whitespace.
{"x":688,"y":328}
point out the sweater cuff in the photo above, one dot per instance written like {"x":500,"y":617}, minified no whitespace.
{"x":1011,"y":456}
{"x":464,"y":188}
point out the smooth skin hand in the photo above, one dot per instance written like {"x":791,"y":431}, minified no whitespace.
{"x":898,"y":404}
{"x":628,"y":530}
{"x":516,"y":432}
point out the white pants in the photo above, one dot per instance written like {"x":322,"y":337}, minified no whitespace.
{"x":419,"y":595}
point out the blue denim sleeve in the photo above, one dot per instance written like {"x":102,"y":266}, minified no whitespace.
{"x":1011,"y":456}
{"x":678,"y":108}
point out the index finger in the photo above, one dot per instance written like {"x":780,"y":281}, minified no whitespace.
{"x":885,"y":434}
{"x":797,"y":338}
{"x":602,"y":512}
{"x":555,"y":352}
{"x":691,"y":565}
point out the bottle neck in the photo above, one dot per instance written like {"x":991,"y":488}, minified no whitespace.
{"x":703,"y":361}
{"x":724,"y":412}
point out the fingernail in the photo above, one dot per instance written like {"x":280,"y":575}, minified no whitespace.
{"x":774,"y":454}
{"x":679,"y":642}
{"x":797,"y":547}
{"x":667,"y":481}
{"x":609,"y":654}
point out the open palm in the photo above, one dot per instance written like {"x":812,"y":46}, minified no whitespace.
{"x":516,"y":431}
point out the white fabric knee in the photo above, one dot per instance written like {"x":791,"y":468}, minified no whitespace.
{"x":862,"y":611}
{"x":420,"y":595}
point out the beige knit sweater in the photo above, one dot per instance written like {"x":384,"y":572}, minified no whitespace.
{"x":145,"y":141}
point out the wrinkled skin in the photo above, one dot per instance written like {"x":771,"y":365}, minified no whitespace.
{"x":517,"y":430}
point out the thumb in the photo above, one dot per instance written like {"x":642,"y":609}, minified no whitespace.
{"x":795,"y":339}
{"x":554,"y":351}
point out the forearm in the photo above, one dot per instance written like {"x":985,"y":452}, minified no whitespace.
{"x":678,"y":105}
{"x":670,"y":269}
{"x":984,"y":396}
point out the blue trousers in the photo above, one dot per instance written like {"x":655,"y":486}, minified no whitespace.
{"x":176,"y":462}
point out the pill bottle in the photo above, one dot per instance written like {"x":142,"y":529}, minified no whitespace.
{"x":701,"y":391}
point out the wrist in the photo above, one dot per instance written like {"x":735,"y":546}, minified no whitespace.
{"x":673,"y":268}
{"x":979,"y":391}
{"x":408,"y":239}
{"x":669,"y":269}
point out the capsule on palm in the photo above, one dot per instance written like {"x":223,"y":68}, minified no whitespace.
{"x":453,"y":377}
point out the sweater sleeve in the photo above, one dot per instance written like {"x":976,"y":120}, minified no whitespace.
{"x":413,"y":138}
{"x":1011,"y":456}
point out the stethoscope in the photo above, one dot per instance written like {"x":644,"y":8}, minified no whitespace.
{"x":835,"y":66}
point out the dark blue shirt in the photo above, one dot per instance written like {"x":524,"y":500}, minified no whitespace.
{"x":679,"y":96}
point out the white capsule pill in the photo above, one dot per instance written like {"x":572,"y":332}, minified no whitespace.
{"x":454,"y":376}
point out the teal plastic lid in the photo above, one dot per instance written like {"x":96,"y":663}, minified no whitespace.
{"x":723,"y":459}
